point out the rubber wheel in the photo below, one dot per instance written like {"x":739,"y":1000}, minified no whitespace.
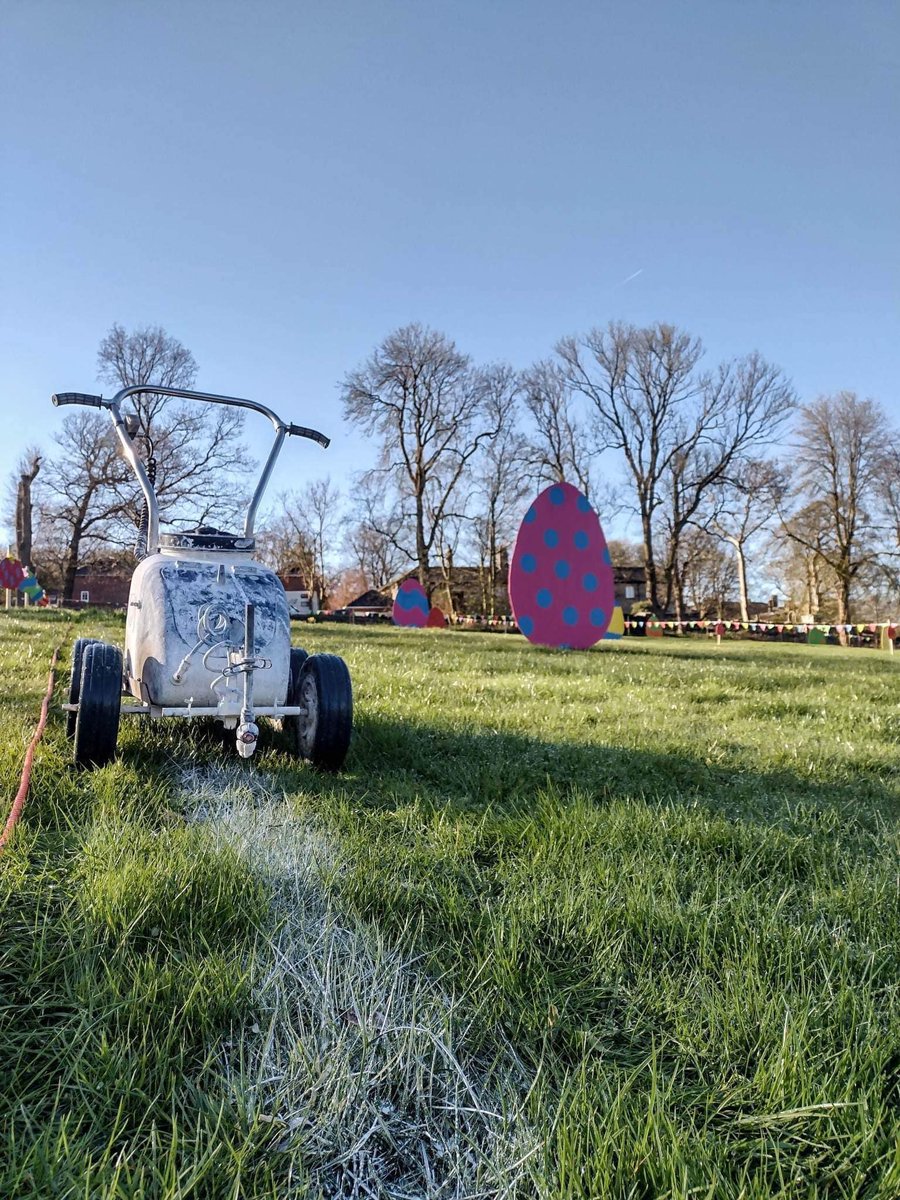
{"x":298,"y":658}
{"x":99,"y":705}
{"x":322,"y":733}
{"x":75,"y":680}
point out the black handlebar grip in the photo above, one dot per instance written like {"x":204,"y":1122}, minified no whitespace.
{"x":77,"y":398}
{"x":312,"y":434}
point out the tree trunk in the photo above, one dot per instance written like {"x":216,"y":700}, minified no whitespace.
{"x":421,"y":545}
{"x":650,"y":579}
{"x":677,"y":589}
{"x":70,"y":567}
{"x":492,"y":572}
{"x":843,"y":601}
{"x":742,"y":580}
{"x":24,"y":513}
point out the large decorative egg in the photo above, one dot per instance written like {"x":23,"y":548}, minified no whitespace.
{"x":410,"y":604}
{"x":560,"y":576}
{"x":616,"y":625}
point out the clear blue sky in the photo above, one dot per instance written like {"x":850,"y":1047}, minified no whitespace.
{"x":281,"y":184}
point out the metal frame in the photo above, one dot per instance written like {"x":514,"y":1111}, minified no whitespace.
{"x":282,"y":429}
{"x":198,"y":710}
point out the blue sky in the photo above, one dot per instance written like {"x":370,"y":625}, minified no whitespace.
{"x":280,"y":185}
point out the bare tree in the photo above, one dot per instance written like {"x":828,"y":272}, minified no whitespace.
{"x":298,"y":536}
{"x":500,"y":484}
{"x":742,"y":506}
{"x":426,"y":403}
{"x":80,"y":505}
{"x":28,"y":468}
{"x":706,"y":572}
{"x":888,"y":523}
{"x":806,"y":580}
{"x":679,"y":430}
{"x":372,"y":540}
{"x":195,"y":453}
{"x":558,"y":450}
{"x":839,"y":461}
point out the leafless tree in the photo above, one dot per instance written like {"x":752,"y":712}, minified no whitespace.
{"x":744,"y":504}
{"x":300,"y":533}
{"x":372,"y":538}
{"x":26,"y":472}
{"x":499,"y":482}
{"x":888,"y":521}
{"x":195,"y":453}
{"x":839,"y":462}
{"x":805,"y":579}
{"x":424,"y":401}
{"x":679,"y":430}
{"x":706,"y":572}
{"x":624,"y":553}
{"x":80,"y":503}
{"x":558,"y":449}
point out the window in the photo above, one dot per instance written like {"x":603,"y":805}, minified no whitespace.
{"x":629,"y":591}
{"x":85,"y":597}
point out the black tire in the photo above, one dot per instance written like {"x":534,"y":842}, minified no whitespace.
{"x":298,"y":658}
{"x":75,"y":680}
{"x":322,"y":733}
{"x":99,"y":706}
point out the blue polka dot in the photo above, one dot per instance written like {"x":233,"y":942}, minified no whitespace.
{"x":407,"y":600}
{"x":584,"y":505}
{"x":570,"y":615}
{"x":530,"y":515}
{"x":598,"y":616}
{"x":529,"y":563}
{"x":544,"y":598}
{"x":589,"y":583}
{"x":526,"y":625}
{"x":561,"y":570}
{"x":557,"y":495}
{"x":582,"y":540}
{"x":551,"y":537}
{"x":607,"y":557}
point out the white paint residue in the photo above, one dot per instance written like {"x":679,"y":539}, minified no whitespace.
{"x":359,"y":1060}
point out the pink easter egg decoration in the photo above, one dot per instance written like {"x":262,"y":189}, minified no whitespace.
{"x":410,"y":605}
{"x":560,"y":576}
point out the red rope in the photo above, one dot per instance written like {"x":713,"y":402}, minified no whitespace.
{"x":22,"y":793}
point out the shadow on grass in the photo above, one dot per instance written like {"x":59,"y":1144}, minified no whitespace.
{"x":394,"y":763}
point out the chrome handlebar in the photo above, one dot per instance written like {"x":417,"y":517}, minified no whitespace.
{"x":282,"y":429}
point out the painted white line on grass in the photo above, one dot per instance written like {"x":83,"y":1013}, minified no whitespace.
{"x":361,"y":1061}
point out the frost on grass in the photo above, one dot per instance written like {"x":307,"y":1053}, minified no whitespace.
{"x":361,"y":1063}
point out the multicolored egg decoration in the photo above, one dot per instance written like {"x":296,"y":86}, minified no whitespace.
{"x":410,"y":604}
{"x":560,"y":575}
{"x":616,"y":625}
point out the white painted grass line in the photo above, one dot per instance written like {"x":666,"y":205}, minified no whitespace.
{"x":361,"y":1061}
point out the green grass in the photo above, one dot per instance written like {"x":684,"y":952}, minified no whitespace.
{"x":664,"y":873}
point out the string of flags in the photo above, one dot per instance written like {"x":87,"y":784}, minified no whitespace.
{"x":721,"y":627}
{"x":13,"y":576}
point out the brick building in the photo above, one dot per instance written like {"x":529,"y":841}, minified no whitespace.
{"x":108,"y":585}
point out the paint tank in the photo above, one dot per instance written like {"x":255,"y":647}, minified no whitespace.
{"x":186,"y":623}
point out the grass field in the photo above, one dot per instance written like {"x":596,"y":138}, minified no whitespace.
{"x":621,"y":923}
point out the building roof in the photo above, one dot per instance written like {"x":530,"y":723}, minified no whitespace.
{"x":370,"y":599}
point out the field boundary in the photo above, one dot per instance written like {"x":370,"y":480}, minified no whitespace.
{"x":25,"y":778}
